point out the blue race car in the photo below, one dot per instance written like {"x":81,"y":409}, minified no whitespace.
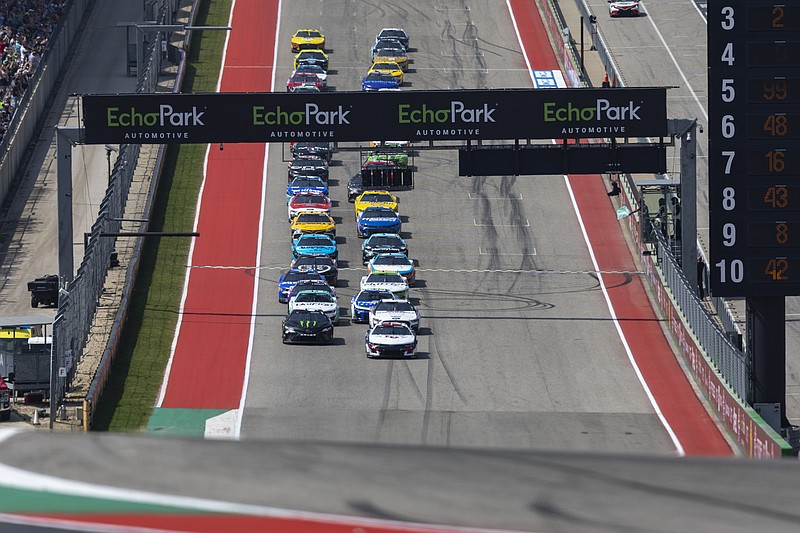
{"x":362,"y":302}
{"x":375,"y":81}
{"x":305,"y":184}
{"x":377,"y":219}
{"x":314,"y":244}
{"x":291,"y":278}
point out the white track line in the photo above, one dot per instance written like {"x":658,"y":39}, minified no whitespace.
{"x":679,"y":448}
{"x":243,"y":398}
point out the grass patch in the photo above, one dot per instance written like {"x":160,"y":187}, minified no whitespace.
{"x":142,"y":356}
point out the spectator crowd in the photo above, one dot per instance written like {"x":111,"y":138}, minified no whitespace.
{"x":25,"y":30}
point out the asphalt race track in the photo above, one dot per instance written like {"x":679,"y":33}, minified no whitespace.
{"x":517,"y":349}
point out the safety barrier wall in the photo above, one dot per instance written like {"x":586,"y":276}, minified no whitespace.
{"x":719,"y":367}
{"x":78,"y":302}
{"x":560,"y":38}
{"x":109,"y":353}
{"x":33,"y":104}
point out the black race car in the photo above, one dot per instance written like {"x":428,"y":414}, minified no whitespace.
{"x":319,"y":149}
{"x":321,"y":264}
{"x":354,"y":187}
{"x":308,"y":165}
{"x":308,"y":327}
{"x":382,"y":243}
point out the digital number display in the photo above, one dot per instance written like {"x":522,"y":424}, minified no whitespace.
{"x":773,"y":90}
{"x":773,"y":18}
{"x":780,"y":234}
{"x":777,"y":162}
{"x":754,"y":147}
{"x":771,"y":270}
{"x":775,"y":198}
{"x":773,"y":54}
{"x":773,"y":126}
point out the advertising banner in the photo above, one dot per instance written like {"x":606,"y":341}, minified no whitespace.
{"x":363,"y":116}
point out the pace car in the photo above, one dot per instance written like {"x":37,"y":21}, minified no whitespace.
{"x":290,"y":278}
{"x":303,"y":184}
{"x":312,"y":244}
{"x":395,"y":283}
{"x":393,"y":310}
{"x":388,"y":68}
{"x":395,"y":262}
{"x":317,"y":263}
{"x":304,"y":79}
{"x":398,"y":34}
{"x":391,"y":53}
{"x":307,"y":40}
{"x":310,"y":285}
{"x":377,"y":219}
{"x":308,"y":165}
{"x":382,"y":243}
{"x":311,"y":57}
{"x":313,"y":223}
{"x":392,"y":339}
{"x":315,"y":300}
{"x":623,"y":8}
{"x":375,"y":198}
{"x":365,"y":300}
{"x":308,"y":202}
{"x":378,"y":80}
{"x":307,"y":327}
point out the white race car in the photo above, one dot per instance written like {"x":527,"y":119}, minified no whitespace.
{"x":390,"y":281}
{"x":394,"y":311}
{"x":316,"y":301}
{"x":391,"y":338}
{"x":623,"y":8}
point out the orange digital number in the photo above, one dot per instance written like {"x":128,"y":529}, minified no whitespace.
{"x":777,"y":197}
{"x":777,"y":269}
{"x":777,"y":16}
{"x":776,"y":125}
{"x":774,"y":90}
{"x":775,"y":161}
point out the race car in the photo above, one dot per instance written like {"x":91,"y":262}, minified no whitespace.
{"x":389,"y":144}
{"x":306,"y":184}
{"x":311,"y":57}
{"x":388,"y":68}
{"x":307,"y":89}
{"x":311,"y":327}
{"x":308,"y":202}
{"x":391,"y":339}
{"x":290,"y":278}
{"x":378,"y":80}
{"x":317,"y":263}
{"x":390,"y":281}
{"x":377,"y":219}
{"x":394,"y":262}
{"x":308,"y":165}
{"x":310,"y":222}
{"x":313,"y":69}
{"x":303,"y":79}
{"x":355,"y":186}
{"x":314,"y":300}
{"x":310,"y":285}
{"x":391,"y":53}
{"x":623,"y":8}
{"x":319,"y":149}
{"x":383,"y":44}
{"x":382,"y":243}
{"x":307,"y":40}
{"x":312,"y":244}
{"x":398,"y":34}
{"x":362,"y":302}
{"x":399,"y":159}
{"x":393,"y":310}
{"x":375,"y":198}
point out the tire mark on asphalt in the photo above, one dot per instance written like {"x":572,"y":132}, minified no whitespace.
{"x":387,"y":391}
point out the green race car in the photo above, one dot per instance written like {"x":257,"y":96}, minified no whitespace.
{"x":398,"y":158}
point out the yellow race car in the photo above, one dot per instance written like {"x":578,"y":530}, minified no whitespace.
{"x":308,"y":40}
{"x":311,"y":57}
{"x":392,"y":55}
{"x":387,"y":67}
{"x":375,"y":198}
{"x":313,"y":223}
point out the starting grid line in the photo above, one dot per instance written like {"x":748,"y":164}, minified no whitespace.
{"x":445,"y":270}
